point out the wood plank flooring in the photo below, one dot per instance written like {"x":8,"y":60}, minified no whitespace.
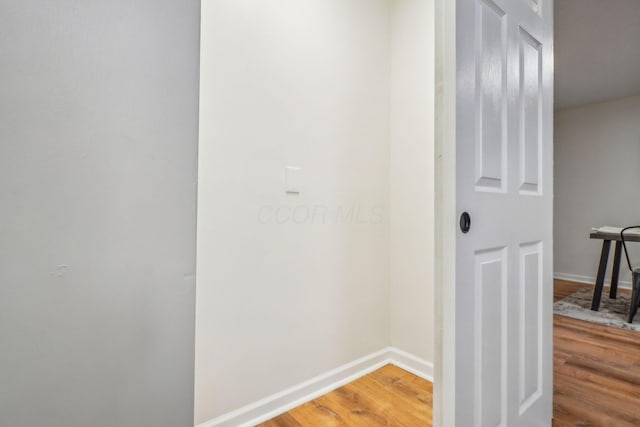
{"x":389,"y":396}
{"x":596,"y":384}
{"x":596,"y":371}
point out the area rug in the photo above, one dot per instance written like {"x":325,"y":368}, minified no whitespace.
{"x":613,"y":312}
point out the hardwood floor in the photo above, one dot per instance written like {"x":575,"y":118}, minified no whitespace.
{"x":596,"y":371}
{"x":596,"y":384}
{"x":389,"y":396}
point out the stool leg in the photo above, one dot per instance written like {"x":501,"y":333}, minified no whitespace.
{"x":635,"y":297}
{"x":613,"y":291}
{"x":602,"y":269}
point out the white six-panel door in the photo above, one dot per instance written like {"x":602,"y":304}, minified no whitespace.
{"x":504,"y":113}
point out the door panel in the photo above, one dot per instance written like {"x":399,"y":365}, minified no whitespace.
{"x":491,"y":84}
{"x":490,"y":398}
{"x":504,"y":107}
{"x":530,"y":327}
{"x":530,"y":89}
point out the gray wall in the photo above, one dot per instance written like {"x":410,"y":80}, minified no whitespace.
{"x":597,"y":182}
{"x":98,"y":141}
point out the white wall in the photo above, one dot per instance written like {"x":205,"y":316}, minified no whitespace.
{"x":284,"y":298}
{"x":597,"y":177}
{"x":98,"y":140}
{"x":292,"y":286}
{"x":412,"y":176}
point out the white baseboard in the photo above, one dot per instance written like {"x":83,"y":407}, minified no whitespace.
{"x":623,"y":284}
{"x":411,"y":363}
{"x":281,"y":402}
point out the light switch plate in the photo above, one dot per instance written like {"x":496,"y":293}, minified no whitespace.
{"x":293,"y":179}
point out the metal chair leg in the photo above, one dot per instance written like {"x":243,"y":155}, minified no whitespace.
{"x":635,"y":296}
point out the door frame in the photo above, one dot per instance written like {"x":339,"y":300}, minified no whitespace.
{"x":445,"y":211}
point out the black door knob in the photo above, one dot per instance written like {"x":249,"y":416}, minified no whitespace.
{"x":465,"y":222}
